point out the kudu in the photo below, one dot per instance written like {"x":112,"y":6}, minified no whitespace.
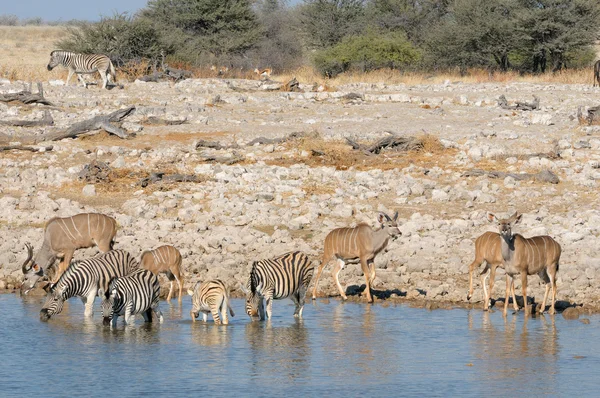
{"x":62,"y":236}
{"x":527,"y":256}
{"x":164,"y":259}
{"x":354,"y":245}
{"x":596,"y":74}
{"x":488,"y":252}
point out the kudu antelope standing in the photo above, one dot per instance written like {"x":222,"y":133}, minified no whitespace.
{"x":164,"y":259}
{"x":488,"y":252}
{"x":596,"y":74}
{"x":527,"y":256}
{"x":62,"y":236}
{"x":354,"y":245}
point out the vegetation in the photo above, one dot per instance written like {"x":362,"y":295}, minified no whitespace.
{"x":342,"y":36}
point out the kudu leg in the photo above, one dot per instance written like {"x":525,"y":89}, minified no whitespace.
{"x":472,"y":269}
{"x":509,"y":286}
{"x":365,"y":269}
{"x":323,"y":263}
{"x":336,"y":271}
{"x":180,"y":284}
{"x":524,"y":290}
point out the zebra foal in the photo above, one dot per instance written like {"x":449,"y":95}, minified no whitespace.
{"x":136,"y":293}
{"x":211,"y":297}
{"x":83,"y":64}
{"x":84,"y":279}
{"x":281,"y":277}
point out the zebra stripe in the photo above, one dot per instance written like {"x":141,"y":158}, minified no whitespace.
{"x":136,"y":293}
{"x":281,"y":277}
{"x":211,"y":297}
{"x":85,"y":278}
{"x":83,"y":63}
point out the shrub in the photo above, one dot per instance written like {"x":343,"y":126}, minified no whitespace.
{"x":367,"y":52}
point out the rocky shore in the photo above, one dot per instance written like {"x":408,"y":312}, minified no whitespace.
{"x":248,"y":202}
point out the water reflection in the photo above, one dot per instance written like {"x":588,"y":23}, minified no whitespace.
{"x":209,"y":334}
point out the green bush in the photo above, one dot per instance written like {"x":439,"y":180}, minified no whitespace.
{"x":122,"y":38}
{"x":367,"y":52}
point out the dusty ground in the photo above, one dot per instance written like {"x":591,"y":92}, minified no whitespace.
{"x":287,"y":196}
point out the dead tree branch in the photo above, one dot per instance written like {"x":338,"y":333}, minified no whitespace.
{"x":292,"y":136}
{"x":158,"y":177}
{"x":228,"y":160}
{"x":25,"y":148}
{"x":164,"y":122}
{"x":542,"y":176}
{"x":519,"y":106}
{"x":47,"y":120}
{"x":95,"y":123}
{"x":399,"y":143}
{"x":26,"y":96}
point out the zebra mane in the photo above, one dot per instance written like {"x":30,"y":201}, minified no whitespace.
{"x":70,"y":269}
{"x":253,"y":278}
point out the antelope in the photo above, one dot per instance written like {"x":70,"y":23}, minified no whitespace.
{"x":354,"y":245}
{"x":264,"y":73}
{"x":221,"y":70}
{"x":62,"y":236}
{"x":164,"y":259}
{"x":488,"y":252}
{"x":596,"y":74}
{"x":527,"y":256}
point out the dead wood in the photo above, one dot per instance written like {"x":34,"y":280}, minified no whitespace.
{"x":293,"y":86}
{"x":167,"y":74}
{"x":95,"y":123}
{"x":47,"y":120}
{"x":210,"y":144}
{"x":228,"y":160}
{"x":520,"y":106}
{"x":26,"y":96}
{"x":25,"y":148}
{"x":591,"y":117}
{"x":164,"y":122}
{"x":399,"y":143}
{"x":542,"y":176}
{"x":158,"y":177}
{"x":292,"y":136}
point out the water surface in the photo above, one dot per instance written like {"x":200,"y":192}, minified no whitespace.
{"x":338,"y":349}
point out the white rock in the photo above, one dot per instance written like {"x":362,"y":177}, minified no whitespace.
{"x":56,"y":83}
{"x":89,"y":190}
{"x":118,"y":162}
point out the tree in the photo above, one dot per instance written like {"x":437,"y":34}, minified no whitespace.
{"x":192,"y":27}
{"x":325,"y":23}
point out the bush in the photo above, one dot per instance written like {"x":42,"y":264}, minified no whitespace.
{"x":122,"y":38}
{"x":9,"y":20}
{"x":367,"y":52}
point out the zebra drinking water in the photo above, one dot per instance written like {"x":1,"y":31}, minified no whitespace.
{"x":285,"y":276}
{"x":136,"y":293}
{"x":85,"y":278}
{"x":84,"y":63}
{"x":211,"y":297}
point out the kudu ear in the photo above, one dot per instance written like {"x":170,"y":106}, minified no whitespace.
{"x":491,"y":217}
{"x":381,"y":218}
{"x":396,"y":216}
{"x":516,"y":218}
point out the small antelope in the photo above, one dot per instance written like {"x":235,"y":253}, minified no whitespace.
{"x":264,"y":73}
{"x":527,"y":256}
{"x":62,"y":236}
{"x":488,"y":252}
{"x":211,"y":297}
{"x":164,"y":259}
{"x":596,"y":74}
{"x":354,"y":245}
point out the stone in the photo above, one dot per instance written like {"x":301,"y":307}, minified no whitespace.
{"x":89,"y":190}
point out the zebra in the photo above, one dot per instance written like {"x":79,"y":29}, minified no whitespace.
{"x":285,"y":276}
{"x":210,"y":296}
{"x":83,"y":63}
{"x":138,"y":292}
{"x":84,"y":279}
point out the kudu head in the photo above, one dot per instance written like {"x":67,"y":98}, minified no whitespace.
{"x":390,"y":225}
{"x":34,"y":269}
{"x":505,"y":225}
{"x":54,"y":60}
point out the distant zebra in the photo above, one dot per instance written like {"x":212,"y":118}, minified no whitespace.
{"x":85,"y":278}
{"x":211,"y":296}
{"x":285,"y":276}
{"x":83,"y":63}
{"x":136,"y":293}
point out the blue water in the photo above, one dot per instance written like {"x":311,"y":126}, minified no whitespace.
{"x":338,"y":349}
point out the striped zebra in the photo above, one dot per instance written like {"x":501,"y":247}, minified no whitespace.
{"x":211,"y":297}
{"x":83,"y":64}
{"x":85,"y":278}
{"x":285,"y":276}
{"x":136,"y":293}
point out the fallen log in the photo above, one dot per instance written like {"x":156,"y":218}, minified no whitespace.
{"x":228,"y":160}
{"x":592,"y":115}
{"x":164,"y":122}
{"x":25,"y":148}
{"x":400,"y":143}
{"x":47,"y":120}
{"x":95,"y":123}
{"x":520,"y":106}
{"x":542,"y":176}
{"x":27,"y":97}
{"x":264,"y":140}
{"x":157,"y":177}
{"x":210,"y":144}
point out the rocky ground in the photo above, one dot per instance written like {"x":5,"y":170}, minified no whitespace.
{"x":255,"y":201}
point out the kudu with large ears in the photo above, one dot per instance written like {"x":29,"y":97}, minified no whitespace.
{"x":62,"y":236}
{"x":357,"y":245}
{"x":528,"y":256}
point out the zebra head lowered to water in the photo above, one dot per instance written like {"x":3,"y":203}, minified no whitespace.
{"x":136,"y":293}
{"x":281,"y":277}
{"x":85,"y":278}
{"x":84,"y":64}
{"x":211,"y":297}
